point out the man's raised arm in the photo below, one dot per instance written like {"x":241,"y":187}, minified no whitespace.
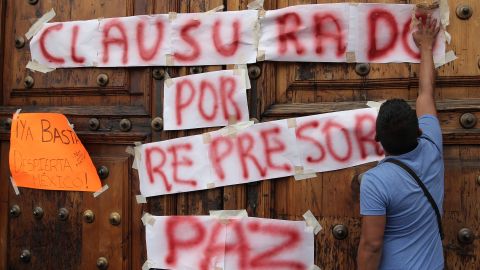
{"x":425,"y":39}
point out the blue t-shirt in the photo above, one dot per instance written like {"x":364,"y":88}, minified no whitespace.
{"x":411,"y":239}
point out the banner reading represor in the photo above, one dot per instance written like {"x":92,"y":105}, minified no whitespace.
{"x":206,"y":242}
{"x":209,"y":99}
{"x":343,"y":32}
{"x":267,"y":150}
{"x":45,"y":153}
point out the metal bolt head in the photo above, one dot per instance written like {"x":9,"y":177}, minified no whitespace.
{"x":478,"y":180}
{"x":32,"y":2}
{"x":196,"y":70}
{"x":157,"y":124}
{"x":88,"y":216}
{"x":19,"y":42}
{"x":254,"y":72}
{"x":362,"y":69}
{"x":102,"y":263}
{"x":103,"y":172}
{"x":464,"y":12}
{"x":25,"y":256}
{"x":125,"y":125}
{"x":115,"y":219}
{"x":102,"y":79}
{"x":255,"y":120}
{"x":93,"y":124}
{"x":28,"y":82}
{"x":468,"y":120}
{"x":465,"y":236}
{"x":8,"y":123}
{"x":340,"y":231}
{"x":158,"y":73}
{"x":63,"y":214}
{"x":15,"y":211}
{"x":38,"y":212}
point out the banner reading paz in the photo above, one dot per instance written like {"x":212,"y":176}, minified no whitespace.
{"x":45,"y":153}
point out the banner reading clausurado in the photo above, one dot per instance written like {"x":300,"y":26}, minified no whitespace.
{"x":298,"y":146}
{"x":342,"y":32}
{"x":206,"y":242}
{"x":45,"y":153}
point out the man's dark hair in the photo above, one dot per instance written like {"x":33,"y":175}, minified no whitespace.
{"x":397,"y":127}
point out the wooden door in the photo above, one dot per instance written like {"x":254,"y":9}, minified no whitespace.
{"x":279,"y":90}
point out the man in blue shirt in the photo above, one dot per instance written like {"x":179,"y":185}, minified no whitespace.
{"x":399,"y":225}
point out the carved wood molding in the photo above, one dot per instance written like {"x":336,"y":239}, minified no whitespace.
{"x":85,"y":111}
{"x":113,"y":138}
{"x":70,"y":91}
{"x":302,"y":109}
{"x":390,"y":83}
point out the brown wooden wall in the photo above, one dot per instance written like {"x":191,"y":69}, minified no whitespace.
{"x":279,"y":90}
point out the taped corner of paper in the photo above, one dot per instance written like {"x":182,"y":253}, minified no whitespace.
{"x":206,"y":137}
{"x":147,"y":265}
{"x":35,"y":66}
{"x":216,"y":9}
{"x":39,"y":24}
{"x":312,"y":267}
{"x":229,"y":214}
{"x":312,"y":222}
{"x":140,"y":199}
{"x":291,"y":122}
{"x":16,"y":113}
{"x":14,"y":185}
{"x":172,"y":16}
{"x":261,"y":55}
{"x":255,"y":5}
{"x":443,"y":60}
{"x":100,"y":191}
{"x":375,"y":104}
{"x":351,"y":57}
{"x":148,"y":219}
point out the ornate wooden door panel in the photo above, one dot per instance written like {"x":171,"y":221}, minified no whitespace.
{"x":279,"y":90}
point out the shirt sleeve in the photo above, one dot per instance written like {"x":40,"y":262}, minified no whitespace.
{"x":373,"y":197}
{"x":430,"y":127}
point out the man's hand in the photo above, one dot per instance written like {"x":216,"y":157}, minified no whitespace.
{"x":425,"y":39}
{"x":426,"y":34}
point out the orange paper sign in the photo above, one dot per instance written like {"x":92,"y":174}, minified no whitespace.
{"x":45,"y":153}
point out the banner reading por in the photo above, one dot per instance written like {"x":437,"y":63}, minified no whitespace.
{"x":45,"y":153}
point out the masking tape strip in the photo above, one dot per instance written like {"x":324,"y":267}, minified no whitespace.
{"x":351,"y":57}
{"x":100,"y":191}
{"x":448,"y":37}
{"x":292,"y":122}
{"x":39,"y":23}
{"x":261,"y":13}
{"x":206,"y":137}
{"x":261,"y":55}
{"x":14,"y":185}
{"x":305,"y":175}
{"x":242,"y":69}
{"x":298,"y":169}
{"x":210,"y":185}
{"x":130,"y":150}
{"x":233,"y":129}
{"x":169,"y":60}
{"x":255,"y":5}
{"x":219,"y":8}
{"x":16,"y":113}
{"x":137,"y":157}
{"x":35,"y":66}
{"x":312,"y":221}
{"x":226,"y":214}
{"x":147,"y":265}
{"x":312,"y":267}
{"x":168,"y":82}
{"x":140,"y":199}
{"x":148,"y":219}
{"x":444,"y":13}
{"x":449,"y":57}
{"x":375,"y":104}
{"x":172,"y":16}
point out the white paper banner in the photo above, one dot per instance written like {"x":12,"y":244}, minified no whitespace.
{"x":376,"y":33}
{"x":205,"y":242}
{"x":263,"y":151}
{"x":207,"y":99}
